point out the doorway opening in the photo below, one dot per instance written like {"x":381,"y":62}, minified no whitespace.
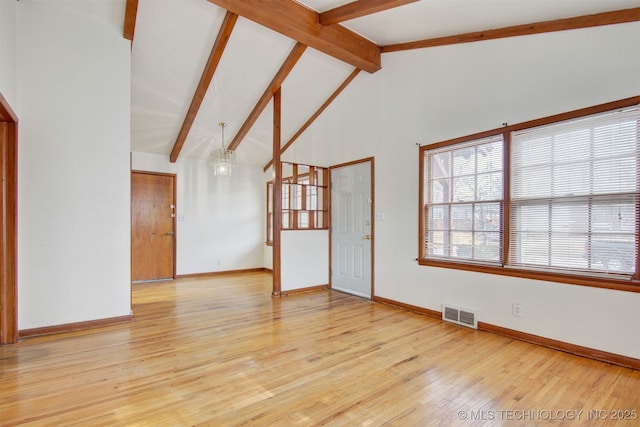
{"x":8,"y":229}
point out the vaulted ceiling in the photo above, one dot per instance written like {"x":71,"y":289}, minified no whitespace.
{"x":196,"y":63}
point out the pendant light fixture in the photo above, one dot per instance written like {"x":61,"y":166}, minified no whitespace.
{"x":222,"y":159}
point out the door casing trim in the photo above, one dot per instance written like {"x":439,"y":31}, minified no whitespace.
{"x":9,"y":226}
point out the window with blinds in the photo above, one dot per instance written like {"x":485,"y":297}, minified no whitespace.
{"x":574,"y":195}
{"x":463,"y":201}
{"x":555,"y":199}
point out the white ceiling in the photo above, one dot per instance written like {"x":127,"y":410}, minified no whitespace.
{"x":173,"y":39}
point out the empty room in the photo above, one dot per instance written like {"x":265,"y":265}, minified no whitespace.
{"x":279,"y":212}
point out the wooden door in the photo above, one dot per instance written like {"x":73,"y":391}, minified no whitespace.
{"x":152,"y":226}
{"x":351,"y":229}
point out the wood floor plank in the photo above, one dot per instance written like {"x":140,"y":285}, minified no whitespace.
{"x":222,"y":351}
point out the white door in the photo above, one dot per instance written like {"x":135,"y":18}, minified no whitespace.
{"x":351,"y":231}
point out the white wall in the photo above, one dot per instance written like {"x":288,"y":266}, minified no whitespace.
{"x":221,"y":220}
{"x":304,"y":259}
{"x":268,"y":256}
{"x":8,"y":58}
{"x":430,"y":95}
{"x":73,"y":89}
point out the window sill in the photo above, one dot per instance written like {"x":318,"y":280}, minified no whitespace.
{"x":582,"y":280}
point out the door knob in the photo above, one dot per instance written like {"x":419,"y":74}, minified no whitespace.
{"x":366,"y":237}
{"x":169,"y":233}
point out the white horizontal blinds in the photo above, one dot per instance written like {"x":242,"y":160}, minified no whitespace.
{"x":463,"y":201}
{"x":574,"y":194}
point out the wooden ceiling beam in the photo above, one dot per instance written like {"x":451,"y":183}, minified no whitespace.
{"x":205,"y":80}
{"x":301,"y":24}
{"x":358,"y":9}
{"x":315,"y":115}
{"x":130,"y":14}
{"x":273,"y":87}
{"x":585,"y":21}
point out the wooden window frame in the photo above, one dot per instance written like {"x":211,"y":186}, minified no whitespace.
{"x":623,"y":284}
{"x":269,"y":220}
{"x":317,"y":177}
{"x":448,"y":227}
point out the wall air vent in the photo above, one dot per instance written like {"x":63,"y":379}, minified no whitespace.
{"x":460,"y":316}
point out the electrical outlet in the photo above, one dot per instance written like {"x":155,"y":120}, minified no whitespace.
{"x":516,"y":309}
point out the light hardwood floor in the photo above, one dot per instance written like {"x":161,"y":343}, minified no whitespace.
{"x":221,"y":351}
